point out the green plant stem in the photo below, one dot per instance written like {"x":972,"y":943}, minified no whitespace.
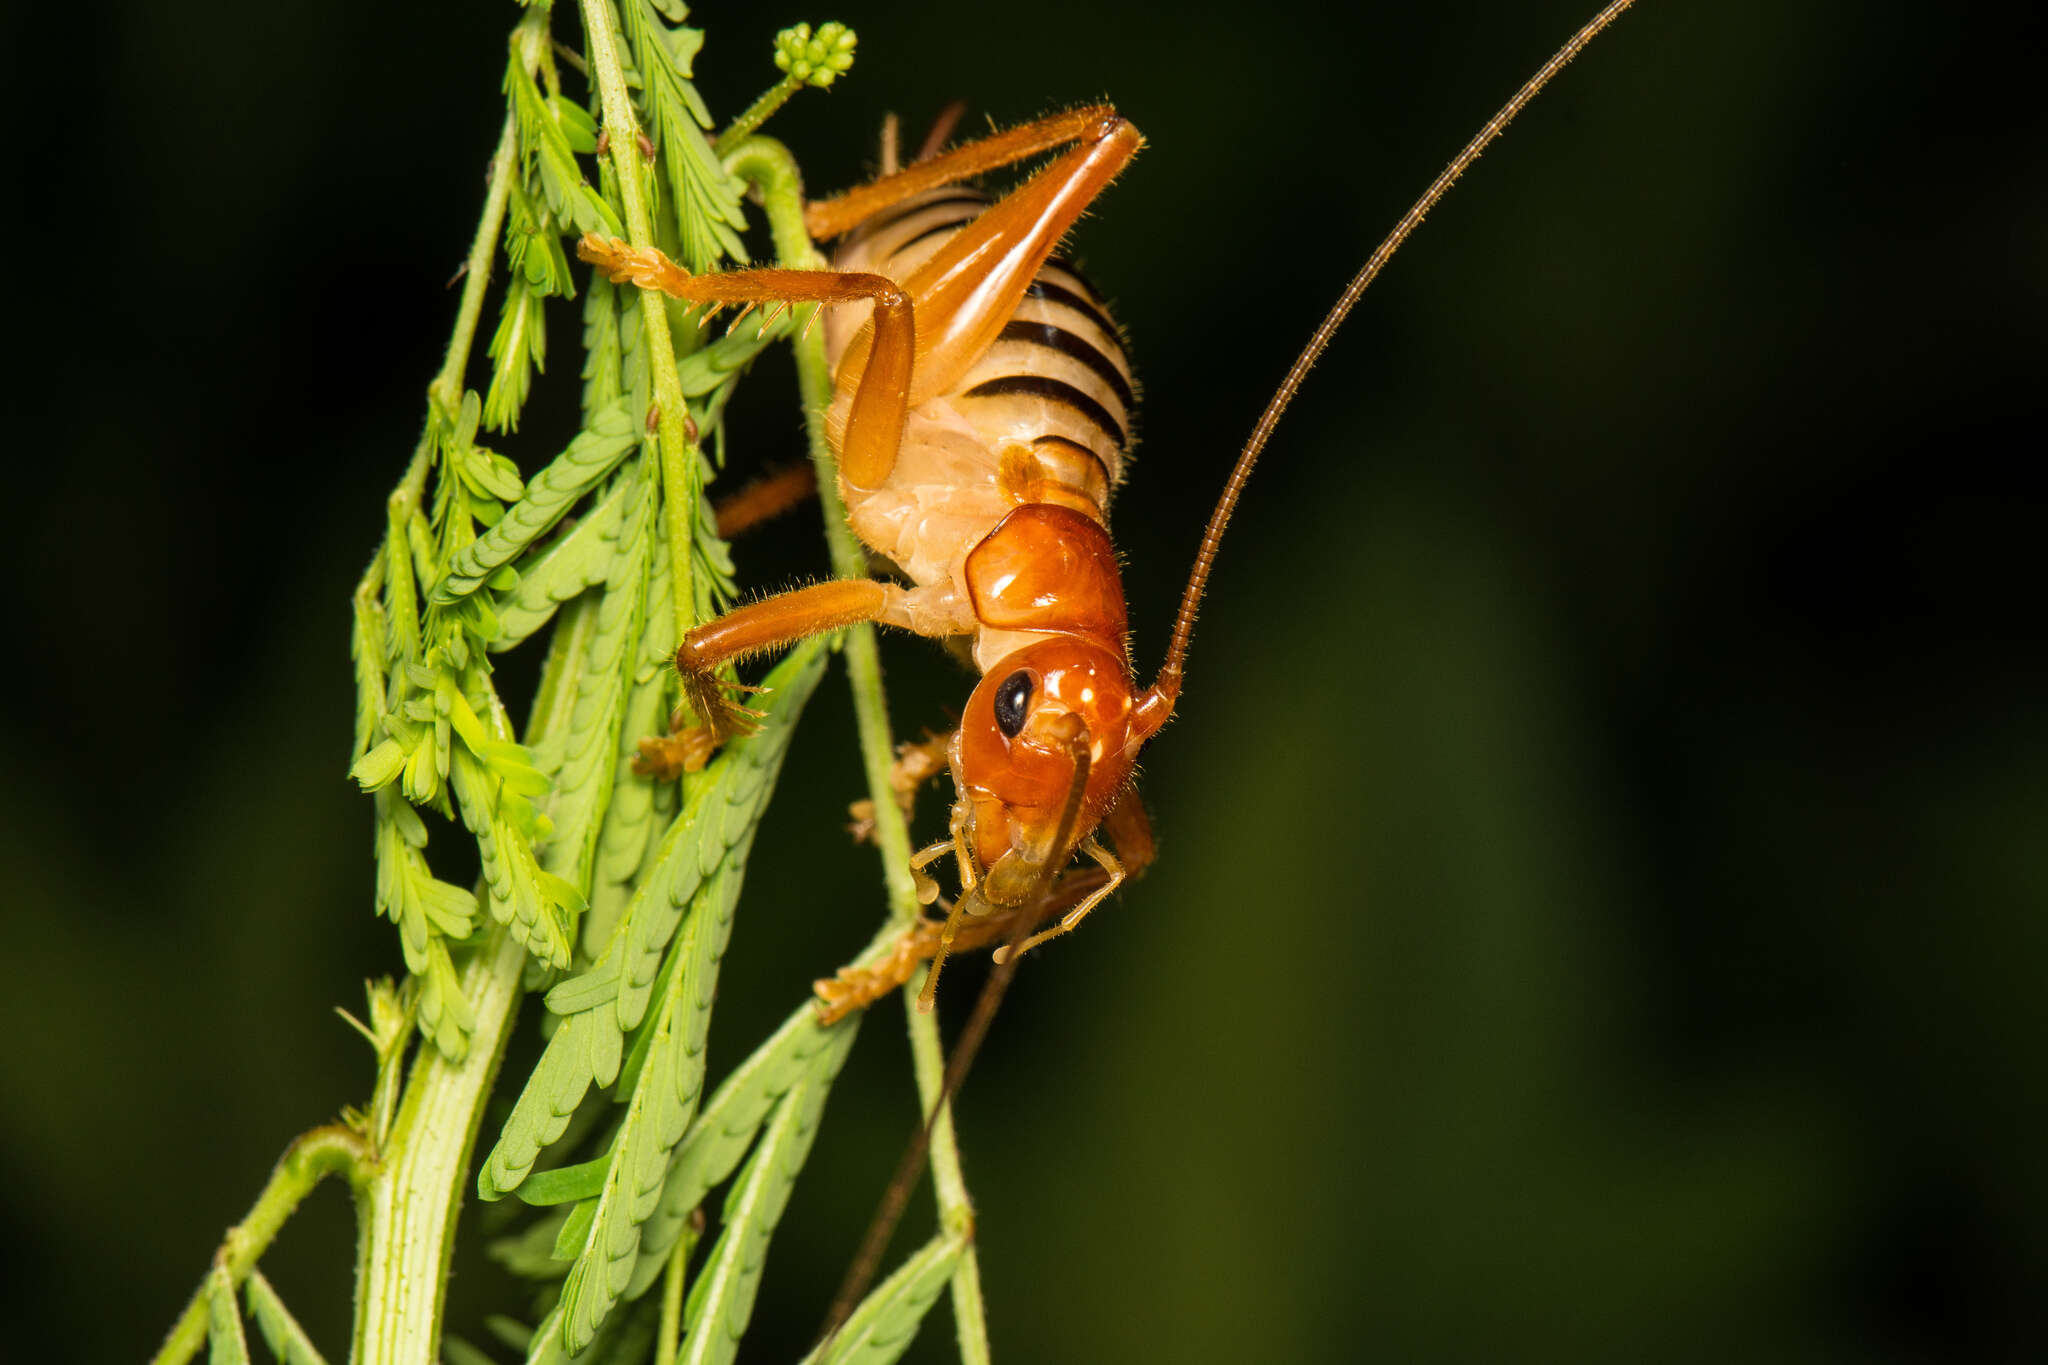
{"x":680,"y":486}
{"x":312,"y":1157}
{"x":671,"y":1331}
{"x":773,"y":98}
{"x":768,"y":164}
{"x":409,"y":1209}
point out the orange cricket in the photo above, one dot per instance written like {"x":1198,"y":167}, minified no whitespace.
{"x":981,"y":418}
{"x":982,"y":404}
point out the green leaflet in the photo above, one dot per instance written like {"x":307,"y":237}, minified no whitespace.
{"x":407,"y":890}
{"x":368,"y":645}
{"x":577,"y":559}
{"x":663,"y":1102}
{"x":566,"y":1184}
{"x":576,"y":623}
{"x":401,"y":602}
{"x":594,"y":453}
{"x":533,"y":239}
{"x":227,"y":1345}
{"x":539,"y":269}
{"x":801,"y":1049}
{"x":576,"y":1229}
{"x":590,"y":742}
{"x":724,"y":805}
{"x":281,"y":1331}
{"x":636,"y":374}
{"x":427,"y":912}
{"x":885,"y":1323}
{"x":518,"y":348}
{"x":722,"y":1300}
{"x":536,"y":905}
{"x":639,"y":811}
{"x":719,"y":362}
{"x":626,"y":1338}
{"x":445,"y":1015}
{"x":487,"y":476}
{"x":603,"y":355}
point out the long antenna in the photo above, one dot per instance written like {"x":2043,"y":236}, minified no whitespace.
{"x":1212,"y":535}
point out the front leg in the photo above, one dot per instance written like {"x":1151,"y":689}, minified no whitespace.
{"x":855,"y":988}
{"x":772,"y":623}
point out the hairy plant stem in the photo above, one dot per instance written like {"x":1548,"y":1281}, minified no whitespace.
{"x":773,"y":98}
{"x":409,"y":1208}
{"x":681,"y":487}
{"x":312,"y":1157}
{"x":768,"y":164}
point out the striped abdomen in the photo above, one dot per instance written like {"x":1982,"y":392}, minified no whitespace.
{"x":1056,"y":377}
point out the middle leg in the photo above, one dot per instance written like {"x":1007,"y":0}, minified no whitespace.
{"x":772,"y":623}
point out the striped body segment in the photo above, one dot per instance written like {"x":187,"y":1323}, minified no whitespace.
{"x":1043,"y":415}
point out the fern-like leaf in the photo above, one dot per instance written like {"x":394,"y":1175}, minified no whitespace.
{"x":881,"y":1329}
{"x":722,"y":1300}
{"x":369,"y":646}
{"x":603,"y":360}
{"x":578,"y":559}
{"x":588,"y":1046}
{"x":708,"y":211}
{"x":639,"y":811}
{"x":518,"y":349}
{"x":627,"y":1339}
{"x":802,"y":1049}
{"x":535,"y":905}
{"x":427,"y":912}
{"x":667,"y":1088}
{"x":590,"y":753}
{"x":550,"y":494}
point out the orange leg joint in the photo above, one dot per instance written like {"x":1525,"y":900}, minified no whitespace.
{"x":881,"y":400}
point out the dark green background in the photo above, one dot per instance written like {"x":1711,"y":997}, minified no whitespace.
{"x":1600,"y":913}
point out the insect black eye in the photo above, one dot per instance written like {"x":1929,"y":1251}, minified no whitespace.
{"x":1012,"y":696}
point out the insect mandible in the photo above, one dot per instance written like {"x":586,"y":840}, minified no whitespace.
{"x":980,"y":418}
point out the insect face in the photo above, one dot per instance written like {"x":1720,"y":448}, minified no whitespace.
{"x":1016,"y":765}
